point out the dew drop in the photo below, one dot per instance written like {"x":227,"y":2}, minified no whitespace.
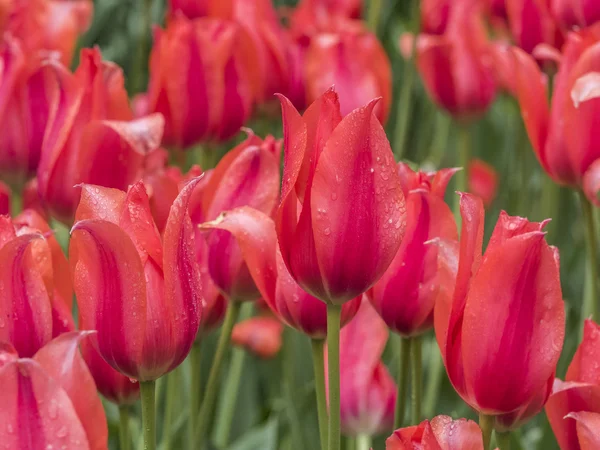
{"x":62,"y":432}
{"x":327,"y":231}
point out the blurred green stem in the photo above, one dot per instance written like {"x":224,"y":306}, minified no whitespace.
{"x":440,"y":138}
{"x":140,"y":66}
{"x":464,"y":155}
{"x":195,"y":385}
{"x":289,"y":388}
{"x":374,"y":15}
{"x":402,"y":381}
{"x":16,"y":204}
{"x":318,"y":354}
{"x":124,"y":438}
{"x":590,"y":301}
{"x":170,"y":398}
{"x":486,"y":423}
{"x":206,"y":410}
{"x":363,"y":442}
{"x":147,"y":395}
{"x":503,"y":440}
{"x":436,"y":371}
{"x":333,"y":364}
{"x":416,"y":370}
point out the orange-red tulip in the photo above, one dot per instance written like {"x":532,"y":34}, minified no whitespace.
{"x":576,"y":13}
{"x":259,"y":335}
{"x":483,"y":180}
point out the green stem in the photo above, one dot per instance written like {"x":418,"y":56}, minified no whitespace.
{"x":318,"y":354}
{"x":503,"y":440}
{"x":289,"y":385}
{"x":416,"y":371}
{"x":374,"y":15}
{"x":124,"y":438}
{"x":463,"y":157}
{"x":440,"y":139}
{"x":230,"y":394}
{"x":206,"y":410}
{"x":436,"y":370}
{"x":137,"y":79}
{"x":195,"y":385}
{"x":171,"y":396}
{"x":16,"y":204}
{"x":148,"y":414}
{"x":486,"y":423}
{"x":402,"y":381}
{"x":333,"y":363}
{"x":363,"y":442}
{"x":590,"y":301}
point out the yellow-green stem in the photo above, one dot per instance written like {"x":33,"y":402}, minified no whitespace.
{"x":486,"y":423}
{"x":503,"y":440}
{"x":289,"y":388}
{"x":436,"y":371}
{"x":591,"y":299}
{"x":363,"y":442}
{"x":463,"y":157}
{"x":16,"y":204}
{"x":124,"y":438}
{"x":137,"y":79}
{"x":318,"y":354}
{"x":147,"y":395}
{"x":374,"y":15}
{"x":195,"y":385}
{"x":333,"y":365}
{"x":402,"y":379}
{"x":170,"y":400}
{"x":416,"y":379}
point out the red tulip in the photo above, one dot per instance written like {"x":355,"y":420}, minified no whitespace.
{"x":441,"y":433}
{"x":405,"y":295}
{"x":5,"y":195}
{"x":202,"y":79}
{"x":563,"y":136}
{"x":342,"y":212}
{"x":456,"y":67}
{"x":531,"y":23}
{"x":30,"y":197}
{"x":579,"y":393}
{"x":35,"y":285}
{"x":350,"y":9}
{"x":483,"y":180}
{"x":50,"y":401}
{"x":434,"y":16}
{"x":91,"y":137}
{"x":367,"y":390}
{"x":500,"y":331}
{"x":255,"y":234}
{"x":259,"y":335}
{"x":576,"y":13}
{"x":189,"y":8}
{"x":142,"y":293}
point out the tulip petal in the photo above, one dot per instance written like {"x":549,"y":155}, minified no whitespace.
{"x":584,"y":365}
{"x":591,"y":182}
{"x":61,"y":360}
{"x":588,"y":429}
{"x":99,"y":202}
{"x":356,"y":172}
{"x":451,"y":434}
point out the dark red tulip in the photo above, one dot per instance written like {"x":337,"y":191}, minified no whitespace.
{"x":342,"y":213}
{"x":259,"y":335}
{"x":578,"y":394}
{"x":500,"y":332}
{"x":405,"y":295}
{"x":576,"y":13}
{"x":5,"y":195}
{"x":255,"y":234}
{"x":441,"y":433}
{"x":141,"y":291}
{"x":91,"y":137}
{"x":50,"y":401}
{"x":36,"y":292}
{"x":483,"y":180}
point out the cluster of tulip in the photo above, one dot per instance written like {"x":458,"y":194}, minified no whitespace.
{"x":340,"y":243}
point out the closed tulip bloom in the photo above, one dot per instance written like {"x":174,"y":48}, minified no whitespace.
{"x":531,"y":23}
{"x":576,"y":13}
{"x":256,"y":236}
{"x":141,"y":291}
{"x":441,"y":433}
{"x":36,"y":292}
{"x":579,"y":394}
{"x":405,"y":295}
{"x":342,"y":212}
{"x":91,"y":136}
{"x":483,"y":180}
{"x":500,"y":332}
{"x":259,"y":335}
{"x":211,"y":93}
{"x":434,"y":16}
{"x":50,"y":401}
{"x":456,"y":66}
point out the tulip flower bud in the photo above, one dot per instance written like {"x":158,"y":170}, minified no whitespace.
{"x":434,"y":16}
{"x":259,"y":335}
{"x":342,"y":212}
{"x":531,"y":23}
{"x":405,"y":295}
{"x":576,"y":13}
{"x":147,"y":311}
{"x":500,"y":332}
{"x":483,"y":181}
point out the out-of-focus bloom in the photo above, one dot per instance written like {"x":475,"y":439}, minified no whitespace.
{"x":36,"y":291}
{"x":50,"y":401}
{"x":405,"y":295}
{"x":531,"y":23}
{"x":111,"y":384}
{"x":189,"y":8}
{"x":202,"y":79}
{"x":367,"y":390}
{"x":256,"y":236}
{"x":30,"y":197}
{"x":483,"y":180}
{"x":576,"y":13}
{"x":91,"y":137}
{"x":456,"y":66}
{"x":564,"y":135}
{"x":140,"y":291}
{"x":434,"y":16}
{"x":500,"y":332}
{"x":441,"y":433}
{"x":5,"y":195}
{"x":321,"y":10}
{"x":498,"y":8}
{"x":259,"y":335}
{"x":578,"y":394}
{"x":342,"y":212}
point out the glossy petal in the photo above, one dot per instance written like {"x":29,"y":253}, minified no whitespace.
{"x":584,"y":367}
{"x":588,"y":425}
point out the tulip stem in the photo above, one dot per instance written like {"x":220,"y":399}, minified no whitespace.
{"x":503,"y":440}
{"x":486,"y":423}
{"x":318,"y":354}
{"x":137,"y":79}
{"x":590,"y":306}
{"x":124,"y":438}
{"x":402,"y":381}
{"x":195,"y":385}
{"x":374,"y":14}
{"x":233,"y":311}
{"x":16,"y":204}
{"x":147,"y":394}
{"x":333,"y":362}
{"x":363,"y":442}
{"x":416,"y":369}
{"x":171,"y":394}
{"x":436,"y":370}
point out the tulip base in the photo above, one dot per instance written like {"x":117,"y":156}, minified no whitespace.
{"x":124,"y":438}
{"x":402,"y":382}
{"x":318,"y":354}
{"x":334,"y":313}
{"x":486,"y":423}
{"x":147,"y":394}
